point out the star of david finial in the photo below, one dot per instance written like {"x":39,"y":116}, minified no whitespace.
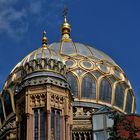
{"x":65,"y":28}
{"x":65,"y":11}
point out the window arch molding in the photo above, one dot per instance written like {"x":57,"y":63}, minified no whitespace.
{"x":12,"y":93}
{"x":73,"y":82}
{"x":105,"y":89}
{"x":129,"y":101}
{"x":119,"y":94}
{"x":96,"y":74}
{"x":88,"y":86}
{"x":2,"y":112}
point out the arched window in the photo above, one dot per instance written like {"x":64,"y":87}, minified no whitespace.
{"x":7,"y":103}
{"x":73,"y":84}
{"x":129,"y":102}
{"x":55,"y":124}
{"x":105,"y":91}
{"x":1,"y":112}
{"x":119,"y":95}
{"x":39,"y":124}
{"x":88,"y":87}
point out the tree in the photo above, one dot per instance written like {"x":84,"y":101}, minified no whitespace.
{"x":125,"y":124}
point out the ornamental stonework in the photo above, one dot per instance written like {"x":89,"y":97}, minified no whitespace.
{"x":37,"y":100}
{"x":57,"y":101}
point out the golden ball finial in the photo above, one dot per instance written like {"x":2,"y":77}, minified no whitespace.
{"x":44,"y":40}
{"x":65,"y":28}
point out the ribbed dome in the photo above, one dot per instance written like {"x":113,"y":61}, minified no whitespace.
{"x":55,"y":50}
{"x":78,"y":49}
{"x":40,"y":53}
{"x":86,"y":66}
{"x":93,"y":76}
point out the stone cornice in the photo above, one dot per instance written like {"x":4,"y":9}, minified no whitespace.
{"x":42,"y":81}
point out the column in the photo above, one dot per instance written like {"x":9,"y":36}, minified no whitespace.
{"x":27,"y":126}
{"x":89,"y":135}
{"x":85,"y":137}
{"x":61,"y":127}
{"x":54,"y":124}
{"x":70,"y":132}
{"x":66,"y":127}
{"x":74,"y":136}
{"x":48,"y":125}
{"x":38,"y":124}
{"x":79,"y":135}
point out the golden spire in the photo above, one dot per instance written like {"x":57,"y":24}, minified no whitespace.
{"x":44,"y":40}
{"x":65,"y":28}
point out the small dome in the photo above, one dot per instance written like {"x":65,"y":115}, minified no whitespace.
{"x":42,"y":59}
{"x":40,"y":53}
{"x":43,"y":62}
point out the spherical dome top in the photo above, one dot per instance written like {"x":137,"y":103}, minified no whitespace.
{"x":78,"y":49}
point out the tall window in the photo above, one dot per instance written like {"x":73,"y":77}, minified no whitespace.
{"x":119,"y":96}
{"x":73,"y":84}
{"x":129,"y":102}
{"x":105,"y":91}
{"x":1,"y":112}
{"x":55,"y":124}
{"x":88,"y":87}
{"x":42,"y":124}
{"x":7,"y":103}
{"x":39,"y":124}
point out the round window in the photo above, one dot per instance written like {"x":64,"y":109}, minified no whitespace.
{"x":86,"y":64}
{"x":104,"y":68}
{"x":69,"y":63}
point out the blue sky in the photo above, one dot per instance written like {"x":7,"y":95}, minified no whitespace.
{"x":112,"y":26}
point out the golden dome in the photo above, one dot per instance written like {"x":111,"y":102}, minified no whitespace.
{"x":87,"y":65}
{"x":44,"y":61}
{"x":94,"y":77}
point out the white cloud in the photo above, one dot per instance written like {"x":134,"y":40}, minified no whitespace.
{"x":35,"y":7}
{"x":15,"y":21}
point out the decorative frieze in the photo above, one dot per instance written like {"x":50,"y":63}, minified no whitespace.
{"x":37,"y":100}
{"x":57,"y":101}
